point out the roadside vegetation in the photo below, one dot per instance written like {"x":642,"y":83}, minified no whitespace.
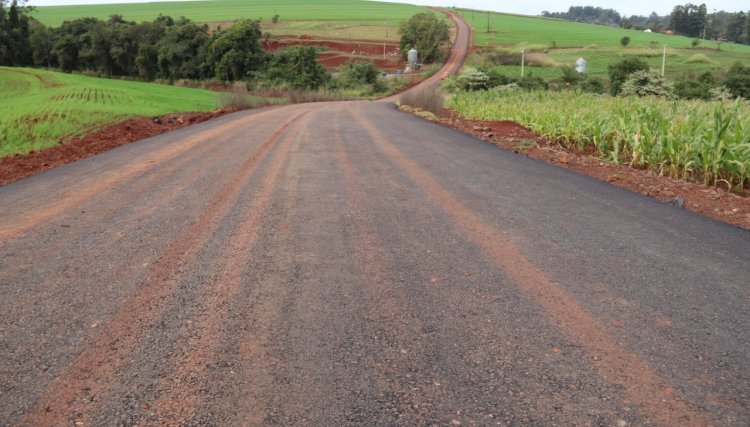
{"x":707,"y":142}
{"x":39,"y":108}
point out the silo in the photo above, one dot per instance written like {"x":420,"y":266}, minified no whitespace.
{"x":412,"y":57}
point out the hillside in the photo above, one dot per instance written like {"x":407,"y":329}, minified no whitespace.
{"x":559,"y":43}
{"x":364,"y":12}
{"x":38,"y":108}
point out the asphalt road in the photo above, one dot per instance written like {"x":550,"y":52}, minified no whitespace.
{"x":348,"y":264}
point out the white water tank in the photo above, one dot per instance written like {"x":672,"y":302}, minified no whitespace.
{"x":412,"y":57}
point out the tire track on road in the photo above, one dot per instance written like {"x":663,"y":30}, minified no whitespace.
{"x":418,"y":396}
{"x":121,"y":202}
{"x":615,"y":363}
{"x":69,"y":398}
{"x":16,"y":226}
{"x":179,"y":393}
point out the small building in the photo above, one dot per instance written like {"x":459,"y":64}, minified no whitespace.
{"x":647,"y":30}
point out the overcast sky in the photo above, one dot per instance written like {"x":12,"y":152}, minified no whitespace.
{"x":633,"y":7}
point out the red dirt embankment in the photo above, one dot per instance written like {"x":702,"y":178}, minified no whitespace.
{"x":712,"y":202}
{"x":19,"y":166}
{"x":384,"y":56}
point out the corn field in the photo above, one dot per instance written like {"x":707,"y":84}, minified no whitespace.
{"x":708,"y":142}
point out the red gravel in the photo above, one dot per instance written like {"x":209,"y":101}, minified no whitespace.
{"x":13,"y":168}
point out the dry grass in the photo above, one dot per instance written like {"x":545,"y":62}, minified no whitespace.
{"x":428,"y":99}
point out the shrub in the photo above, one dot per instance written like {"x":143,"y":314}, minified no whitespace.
{"x":428,"y":99}
{"x":297,"y":66}
{"x":239,"y":99}
{"x":698,"y":58}
{"x":531,"y":82}
{"x":625,"y":41}
{"x":571,"y":76}
{"x":503,"y":57}
{"x":473,"y":79}
{"x":594,"y":85}
{"x":359,"y":72}
{"x":738,"y":81}
{"x":620,"y":72}
{"x":646,"y":83}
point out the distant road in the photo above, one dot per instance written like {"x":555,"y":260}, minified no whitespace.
{"x":348,"y":264}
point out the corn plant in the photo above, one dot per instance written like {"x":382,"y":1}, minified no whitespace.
{"x":707,"y":142}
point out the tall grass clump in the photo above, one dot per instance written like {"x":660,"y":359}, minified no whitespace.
{"x":428,"y":99}
{"x":708,"y":142}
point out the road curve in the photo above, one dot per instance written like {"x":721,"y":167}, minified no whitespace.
{"x":455,"y":60}
{"x":348,"y":264}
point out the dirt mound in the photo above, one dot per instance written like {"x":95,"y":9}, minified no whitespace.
{"x":13,"y":168}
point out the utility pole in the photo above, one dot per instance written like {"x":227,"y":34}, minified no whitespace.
{"x":488,"y":21}
{"x":386,"y":40}
{"x":664,"y":60}
{"x":523,"y":59}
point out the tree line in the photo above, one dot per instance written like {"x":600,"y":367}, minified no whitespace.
{"x":686,"y":19}
{"x":164,"y":48}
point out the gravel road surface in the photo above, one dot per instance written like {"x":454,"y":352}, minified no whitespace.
{"x":348,"y":264}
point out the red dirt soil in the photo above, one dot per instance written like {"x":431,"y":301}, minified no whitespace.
{"x":13,"y":168}
{"x":344,"y":50}
{"x":712,"y":202}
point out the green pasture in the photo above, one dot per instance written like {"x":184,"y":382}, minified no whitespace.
{"x":38,"y":108}
{"x":565,"y":41}
{"x":516,"y":30}
{"x":364,"y":12}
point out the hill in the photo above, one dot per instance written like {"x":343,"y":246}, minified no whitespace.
{"x":38,"y":108}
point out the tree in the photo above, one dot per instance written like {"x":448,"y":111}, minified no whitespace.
{"x":620,"y":72}
{"x":237,"y":51}
{"x":689,"y":19}
{"x":625,"y":41}
{"x":426,"y":33}
{"x":15,"y":47}
{"x":298,"y":67}
{"x":182,"y":50}
{"x":41,"y":40}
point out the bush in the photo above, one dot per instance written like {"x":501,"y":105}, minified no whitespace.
{"x":571,"y":76}
{"x":240,"y":99}
{"x":594,"y":85}
{"x":428,"y":99}
{"x":693,"y":89}
{"x":738,"y":81}
{"x":359,"y":72}
{"x":297,"y":67}
{"x":473,"y":79}
{"x":698,"y":58}
{"x":503,"y":57}
{"x":531,"y":82}
{"x":497,"y":78}
{"x":620,"y":72}
{"x":625,"y":41}
{"x":646,"y":83}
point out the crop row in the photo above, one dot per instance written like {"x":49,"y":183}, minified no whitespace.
{"x":700,"y":141}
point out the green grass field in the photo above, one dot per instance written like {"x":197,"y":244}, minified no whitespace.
{"x":565,"y":41}
{"x":364,"y":12}
{"x":37,"y":107}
